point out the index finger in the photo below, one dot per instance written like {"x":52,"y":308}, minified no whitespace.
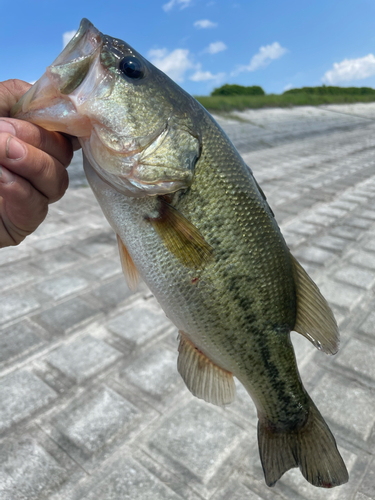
{"x":53,"y":143}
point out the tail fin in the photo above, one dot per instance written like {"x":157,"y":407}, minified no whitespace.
{"x":312,"y":448}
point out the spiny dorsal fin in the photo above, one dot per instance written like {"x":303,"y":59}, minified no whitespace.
{"x":180,"y":236}
{"x":314,"y":320}
{"x":128,"y":267}
{"x":202,"y":377}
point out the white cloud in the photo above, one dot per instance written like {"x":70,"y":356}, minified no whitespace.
{"x":174,"y":64}
{"x":263,"y":58}
{"x":203,"y":76}
{"x":205,"y":23}
{"x":351,"y":69}
{"x":287,"y":87}
{"x":67,"y":36}
{"x":157,"y":53}
{"x":182,"y":3}
{"x":215,"y":47}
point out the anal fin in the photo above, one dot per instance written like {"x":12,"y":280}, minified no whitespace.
{"x":128,"y":267}
{"x":202,"y":377}
{"x":314,"y":320}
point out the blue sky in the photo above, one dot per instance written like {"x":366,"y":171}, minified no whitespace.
{"x":205,"y":43}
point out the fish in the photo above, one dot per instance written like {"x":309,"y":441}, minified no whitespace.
{"x":193,"y":223}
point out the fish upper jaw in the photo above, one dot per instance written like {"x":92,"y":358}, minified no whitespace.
{"x":48,"y":102}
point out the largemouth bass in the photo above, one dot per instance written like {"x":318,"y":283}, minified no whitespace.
{"x":192,"y":221}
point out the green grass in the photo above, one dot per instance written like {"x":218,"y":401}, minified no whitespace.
{"x":230,"y":103}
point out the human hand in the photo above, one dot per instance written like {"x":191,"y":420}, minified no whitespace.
{"x":33,"y":172}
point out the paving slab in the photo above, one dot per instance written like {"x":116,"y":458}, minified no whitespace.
{"x":155,"y":372}
{"x":66,"y":316}
{"x":21,"y":394}
{"x":92,"y":424}
{"x":17,"y":304}
{"x":128,"y":480}
{"x":91,"y":403}
{"x":29,"y":470}
{"x":83,"y":358}
{"x":16,"y":340}
{"x":128,"y":325}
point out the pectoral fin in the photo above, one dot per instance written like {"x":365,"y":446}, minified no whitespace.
{"x":128,"y":267}
{"x":202,"y":377}
{"x":180,"y":236}
{"x":315,"y":320}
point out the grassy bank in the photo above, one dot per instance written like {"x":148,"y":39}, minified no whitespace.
{"x":241,"y":102}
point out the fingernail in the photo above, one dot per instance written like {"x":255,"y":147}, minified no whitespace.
{"x":6,"y":177}
{"x":7,"y":127}
{"x":14,"y":149}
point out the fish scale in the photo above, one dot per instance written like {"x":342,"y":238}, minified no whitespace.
{"x":254,"y":256}
{"x":192,"y":221}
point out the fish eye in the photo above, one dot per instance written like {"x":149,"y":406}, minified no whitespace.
{"x":131,"y":67}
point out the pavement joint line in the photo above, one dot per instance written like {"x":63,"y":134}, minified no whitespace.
{"x":348,"y":114}
{"x":330,"y":154}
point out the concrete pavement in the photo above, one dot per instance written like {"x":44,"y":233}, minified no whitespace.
{"x":91,"y":404}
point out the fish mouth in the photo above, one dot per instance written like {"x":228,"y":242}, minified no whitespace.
{"x":65,"y":99}
{"x":47,"y":103}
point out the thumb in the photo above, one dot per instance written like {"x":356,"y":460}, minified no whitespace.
{"x":10,"y":92}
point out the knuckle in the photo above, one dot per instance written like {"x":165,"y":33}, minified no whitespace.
{"x":42,"y":166}
{"x":66,"y":155}
{"x":56,"y":144}
{"x":8,"y":238}
{"x":38,"y":209}
{"x":43,"y":210}
{"x":42,"y":138}
{"x":60,"y":186}
{"x":65,"y":183}
{"x":31,"y":134}
{"x":15,"y":238}
{"x":21,"y":215}
{"x":68,"y":152}
{"x":26,"y":191}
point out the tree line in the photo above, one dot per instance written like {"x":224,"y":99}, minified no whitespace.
{"x":234,"y":89}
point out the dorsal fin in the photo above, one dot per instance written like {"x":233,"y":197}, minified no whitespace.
{"x":202,"y":377}
{"x":314,"y":320}
{"x":128,"y":267}
{"x":180,"y":236}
